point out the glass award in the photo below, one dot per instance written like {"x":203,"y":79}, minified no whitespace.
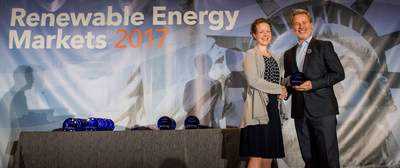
{"x":71,"y":124}
{"x":297,"y":78}
{"x":101,"y":124}
{"x":82,"y":124}
{"x":166,"y":123}
{"x":112,"y":126}
{"x":192,"y":122}
{"x":173,"y":124}
{"x":91,"y":124}
{"x":109,"y":124}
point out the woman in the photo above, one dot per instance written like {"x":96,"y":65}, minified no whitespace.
{"x":261,"y":134}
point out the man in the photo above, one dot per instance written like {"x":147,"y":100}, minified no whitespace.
{"x":314,"y":105}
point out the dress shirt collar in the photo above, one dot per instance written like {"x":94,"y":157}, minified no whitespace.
{"x":307,"y":41}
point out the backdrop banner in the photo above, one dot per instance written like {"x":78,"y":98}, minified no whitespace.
{"x":135,"y":61}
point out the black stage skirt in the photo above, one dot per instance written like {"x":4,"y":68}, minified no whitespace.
{"x":265,"y":140}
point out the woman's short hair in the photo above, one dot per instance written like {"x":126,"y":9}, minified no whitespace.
{"x":253,"y":28}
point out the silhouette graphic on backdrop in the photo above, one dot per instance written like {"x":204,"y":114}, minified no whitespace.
{"x":202,"y":94}
{"x":234,"y":88}
{"x":13,"y":105}
{"x":17,"y":116}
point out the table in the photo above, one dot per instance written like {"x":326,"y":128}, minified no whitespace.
{"x":201,"y":148}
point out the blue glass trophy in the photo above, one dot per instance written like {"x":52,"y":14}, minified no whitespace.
{"x":192,"y":122}
{"x":82,"y":124}
{"x":297,"y":78}
{"x":166,"y":123}
{"x":101,"y":124}
{"x":71,"y":124}
{"x":91,"y":124}
{"x":109,"y":124}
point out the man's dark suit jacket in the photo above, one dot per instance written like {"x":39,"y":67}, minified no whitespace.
{"x":323,"y":68}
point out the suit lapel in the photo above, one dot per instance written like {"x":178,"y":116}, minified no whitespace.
{"x":309,"y":54}
{"x":293,"y":59}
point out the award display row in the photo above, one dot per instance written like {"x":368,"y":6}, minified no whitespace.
{"x":168,"y":123}
{"x":90,"y":124}
{"x":103,"y":124}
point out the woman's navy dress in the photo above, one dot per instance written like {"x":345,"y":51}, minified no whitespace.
{"x":265,"y":140}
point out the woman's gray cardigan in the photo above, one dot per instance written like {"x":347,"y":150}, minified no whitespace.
{"x":255,"y":106}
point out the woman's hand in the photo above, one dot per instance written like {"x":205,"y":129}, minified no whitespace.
{"x":284,"y":93}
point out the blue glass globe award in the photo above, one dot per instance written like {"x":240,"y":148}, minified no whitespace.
{"x":101,"y":124}
{"x":91,"y":124}
{"x":71,"y":124}
{"x":166,"y":123}
{"x":192,"y":122}
{"x":82,"y":124}
{"x":297,"y":78}
{"x":109,"y":124}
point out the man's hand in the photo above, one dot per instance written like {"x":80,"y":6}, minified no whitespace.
{"x":306,"y":86}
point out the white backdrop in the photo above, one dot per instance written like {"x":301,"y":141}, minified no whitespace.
{"x":135,"y":61}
